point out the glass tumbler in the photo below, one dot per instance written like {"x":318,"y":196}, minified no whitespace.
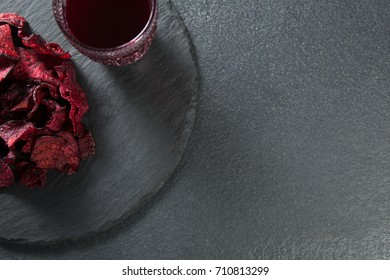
{"x":120,"y":55}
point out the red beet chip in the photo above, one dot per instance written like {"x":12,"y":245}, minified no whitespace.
{"x":34,"y":177}
{"x":51,"y":89}
{"x":87,"y":146}
{"x":14,"y":20}
{"x":38,"y":95}
{"x":8,"y":54}
{"x":39,"y":45}
{"x":31,"y":175}
{"x":58,"y":115}
{"x":39,"y":132}
{"x":32,"y":41}
{"x":7,"y":47}
{"x":23,"y":105}
{"x":14,"y":131}
{"x":11,"y":97}
{"x":73,"y":93}
{"x":27,"y":147}
{"x":30,"y":66}
{"x":6,"y":66}
{"x":58,"y":152}
{"x":10,"y":93}
{"x":10,"y":158}
{"x":6,"y":176}
{"x":57,"y":50}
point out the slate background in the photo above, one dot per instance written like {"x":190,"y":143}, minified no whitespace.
{"x":289,"y":156}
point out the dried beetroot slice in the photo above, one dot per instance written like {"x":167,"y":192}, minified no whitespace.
{"x":87,"y":145}
{"x":39,"y":45}
{"x":58,"y":115}
{"x":38,"y":95}
{"x":73,"y":93}
{"x":7,"y":47}
{"x":32,"y":41}
{"x":6,"y":66}
{"x":57,"y":152}
{"x":14,"y":20}
{"x":14,"y":131}
{"x":6,"y":176}
{"x":11,"y":94}
{"x":31,"y":175}
{"x":41,"y":108}
{"x":29,"y":143}
{"x":10,"y":158}
{"x":27,"y":147}
{"x":55,"y":49}
{"x":8,"y":54}
{"x":15,"y":103}
{"x":30,"y":66}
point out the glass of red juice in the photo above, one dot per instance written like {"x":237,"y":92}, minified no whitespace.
{"x":112,"y":32}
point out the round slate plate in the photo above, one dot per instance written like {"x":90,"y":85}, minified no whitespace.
{"x":141,"y":117}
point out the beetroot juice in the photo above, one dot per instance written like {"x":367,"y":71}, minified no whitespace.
{"x":107,"y":23}
{"x":112,"y":32}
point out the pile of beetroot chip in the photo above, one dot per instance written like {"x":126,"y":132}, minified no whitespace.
{"x":41,"y":108}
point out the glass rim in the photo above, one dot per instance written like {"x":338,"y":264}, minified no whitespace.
{"x":70,"y":35}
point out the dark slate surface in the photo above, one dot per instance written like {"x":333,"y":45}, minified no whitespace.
{"x":141,"y":117}
{"x":289,"y":156}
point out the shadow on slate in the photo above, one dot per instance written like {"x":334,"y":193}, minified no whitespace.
{"x":141,"y":117}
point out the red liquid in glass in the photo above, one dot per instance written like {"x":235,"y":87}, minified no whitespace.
{"x":106,"y":23}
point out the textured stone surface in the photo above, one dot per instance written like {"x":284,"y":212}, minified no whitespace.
{"x":140,"y":116}
{"x":289,"y":156}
